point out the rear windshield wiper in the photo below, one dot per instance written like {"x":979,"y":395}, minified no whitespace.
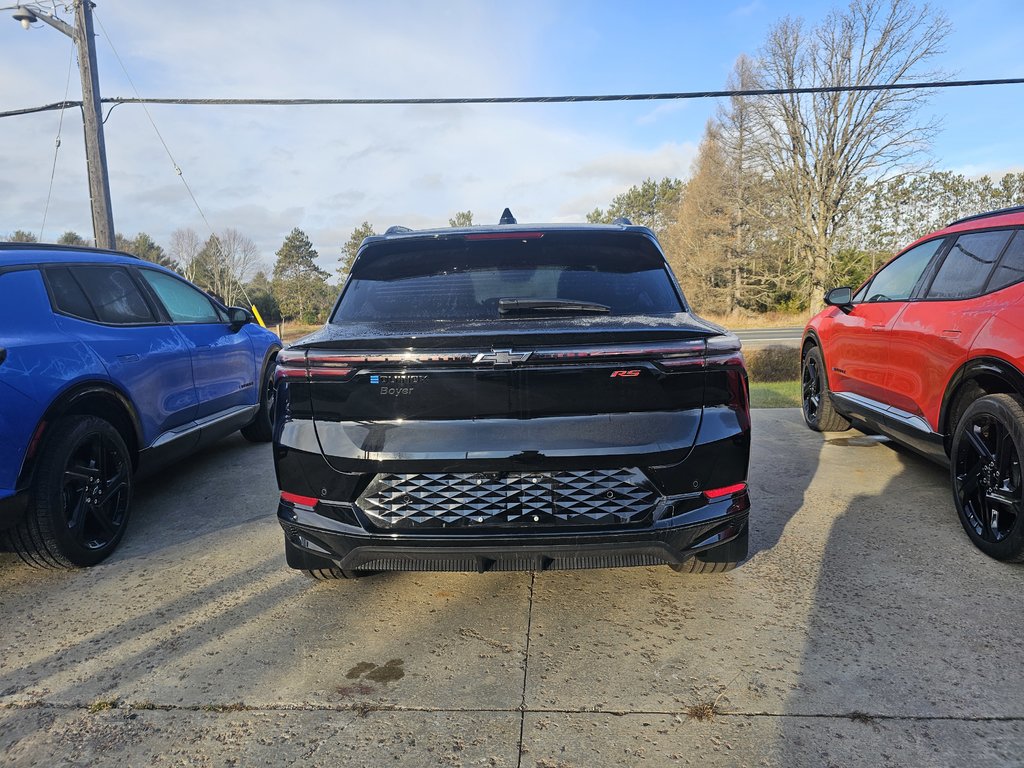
{"x":507,"y":306}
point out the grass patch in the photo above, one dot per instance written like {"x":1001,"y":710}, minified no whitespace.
{"x":103,"y":705}
{"x":237,"y":706}
{"x":775,"y":394}
{"x":763,"y":320}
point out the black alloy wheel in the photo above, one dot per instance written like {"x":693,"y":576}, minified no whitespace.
{"x":819,"y":413}
{"x":986,"y":475}
{"x":811,"y":389}
{"x":81,"y":496}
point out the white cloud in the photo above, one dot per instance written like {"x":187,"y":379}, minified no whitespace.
{"x":264,"y":170}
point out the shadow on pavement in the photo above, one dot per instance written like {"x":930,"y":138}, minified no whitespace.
{"x":912,"y":651}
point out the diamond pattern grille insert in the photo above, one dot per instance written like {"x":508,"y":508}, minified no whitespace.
{"x":509,"y":499}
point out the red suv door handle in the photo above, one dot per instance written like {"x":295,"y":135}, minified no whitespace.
{"x":877,"y":327}
{"x":950,"y":332}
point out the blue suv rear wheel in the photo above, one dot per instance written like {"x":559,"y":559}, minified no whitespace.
{"x":81,"y":496}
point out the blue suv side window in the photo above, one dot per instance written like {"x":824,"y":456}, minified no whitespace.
{"x":183,"y":302}
{"x":99,"y":293}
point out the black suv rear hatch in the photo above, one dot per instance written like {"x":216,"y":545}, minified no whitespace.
{"x":544,"y":349}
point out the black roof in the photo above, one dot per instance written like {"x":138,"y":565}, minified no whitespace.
{"x":1001,"y":211}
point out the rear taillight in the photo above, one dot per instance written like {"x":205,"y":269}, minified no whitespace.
{"x":724,"y":350}
{"x":312,"y":365}
{"x":291,"y":364}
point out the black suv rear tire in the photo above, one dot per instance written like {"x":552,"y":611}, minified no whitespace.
{"x":724,"y":557}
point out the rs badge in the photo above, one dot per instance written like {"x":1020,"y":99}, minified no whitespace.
{"x":618,"y":374}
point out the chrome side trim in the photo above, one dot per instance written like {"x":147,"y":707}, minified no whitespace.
{"x":238,"y":412}
{"x":910,"y":420}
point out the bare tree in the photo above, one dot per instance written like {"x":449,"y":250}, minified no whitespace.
{"x":221,"y":265}
{"x":827,"y":150}
{"x":240,"y":259}
{"x":184,"y":249}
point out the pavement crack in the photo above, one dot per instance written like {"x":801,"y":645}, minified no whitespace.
{"x":363,"y":708}
{"x":526,"y":670}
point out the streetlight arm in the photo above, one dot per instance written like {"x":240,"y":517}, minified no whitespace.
{"x":56,"y":23}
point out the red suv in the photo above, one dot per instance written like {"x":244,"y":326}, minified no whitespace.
{"x":930,"y":351}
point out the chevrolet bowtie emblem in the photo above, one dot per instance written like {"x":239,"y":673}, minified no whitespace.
{"x":502,"y":357}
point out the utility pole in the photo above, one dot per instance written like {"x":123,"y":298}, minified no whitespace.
{"x":92,"y":115}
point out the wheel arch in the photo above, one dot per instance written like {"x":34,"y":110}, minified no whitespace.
{"x":268,"y":360}
{"x":94,"y":398}
{"x":810,"y":340}
{"x":976,"y":378}
{"x":269,"y":355}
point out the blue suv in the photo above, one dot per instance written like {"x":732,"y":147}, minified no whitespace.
{"x":109,"y":368}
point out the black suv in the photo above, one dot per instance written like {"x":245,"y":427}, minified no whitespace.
{"x":512,"y":398}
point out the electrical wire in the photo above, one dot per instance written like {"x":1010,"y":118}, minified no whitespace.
{"x":56,"y":149}
{"x":143,"y":102}
{"x":152,"y":122}
{"x":581,"y":99}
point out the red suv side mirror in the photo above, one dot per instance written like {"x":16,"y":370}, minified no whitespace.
{"x":840,"y":297}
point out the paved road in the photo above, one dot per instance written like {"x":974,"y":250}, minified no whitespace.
{"x":763,"y":337}
{"x":865,"y":630}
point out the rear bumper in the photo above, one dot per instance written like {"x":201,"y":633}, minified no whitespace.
{"x":12,"y":508}
{"x":670,"y":542}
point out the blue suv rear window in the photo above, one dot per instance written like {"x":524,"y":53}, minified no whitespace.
{"x":99,"y":293}
{"x":68,"y":294}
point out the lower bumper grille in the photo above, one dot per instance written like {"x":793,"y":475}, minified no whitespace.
{"x":509,"y":499}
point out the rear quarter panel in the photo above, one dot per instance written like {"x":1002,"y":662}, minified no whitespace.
{"x":1002,"y":335}
{"x":41,"y":362}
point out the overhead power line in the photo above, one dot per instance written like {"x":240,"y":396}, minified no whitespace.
{"x":152,"y":122}
{"x":679,"y":96}
{"x":56,"y":148}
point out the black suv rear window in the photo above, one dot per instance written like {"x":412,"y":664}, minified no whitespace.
{"x":464,"y":279}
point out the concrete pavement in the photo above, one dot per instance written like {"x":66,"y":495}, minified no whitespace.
{"x":865,"y":630}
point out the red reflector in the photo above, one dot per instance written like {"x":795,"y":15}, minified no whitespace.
{"x":729,"y":490}
{"x":35,"y":440}
{"x":294,"y":498}
{"x":506,"y":236}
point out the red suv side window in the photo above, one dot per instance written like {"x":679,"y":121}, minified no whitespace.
{"x":1011,"y":267}
{"x":896,"y":280}
{"x":965,"y":270}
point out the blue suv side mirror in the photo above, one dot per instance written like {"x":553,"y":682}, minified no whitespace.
{"x":238,"y":316}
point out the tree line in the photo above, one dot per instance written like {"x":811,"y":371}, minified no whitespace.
{"x":228,"y":265}
{"x":733,"y":266}
{"x":790,"y":193}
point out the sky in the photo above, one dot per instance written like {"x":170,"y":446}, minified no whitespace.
{"x":326,"y":169}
